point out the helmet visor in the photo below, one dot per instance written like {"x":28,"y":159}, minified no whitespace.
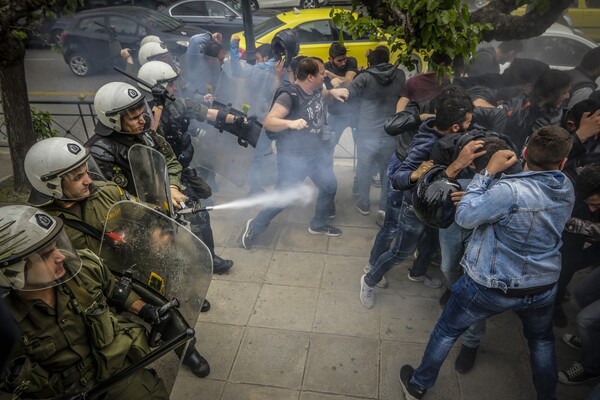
{"x":49,"y":266}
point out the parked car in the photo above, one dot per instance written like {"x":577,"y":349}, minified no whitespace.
{"x":223,"y":16}
{"x":316,"y":31}
{"x":585,"y":15}
{"x":559,"y":46}
{"x":86,"y":41}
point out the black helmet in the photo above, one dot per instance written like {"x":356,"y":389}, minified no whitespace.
{"x":285,"y":43}
{"x":431,"y":199}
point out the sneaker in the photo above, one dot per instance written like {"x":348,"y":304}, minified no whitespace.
{"x":559,"y":317}
{"x":376,"y":181}
{"x":383,"y":283}
{"x":248,"y":235}
{"x":575,"y":374}
{"x":380,"y":217}
{"x":326,"y":230}
{"x":362,"y":208}
{"x":367,"y":296}
{"x":572,"y":340}
{"x":411,"y":391}
{"x":426,"y":280}
{"x":466,"y":359}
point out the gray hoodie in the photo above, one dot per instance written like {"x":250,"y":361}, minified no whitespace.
{"x":378,"y":89}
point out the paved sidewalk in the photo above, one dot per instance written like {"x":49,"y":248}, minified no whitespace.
{"x":286,"y":322}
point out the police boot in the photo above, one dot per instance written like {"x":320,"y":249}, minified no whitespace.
{"x":197,"y":363}
{"x":220,"y":266}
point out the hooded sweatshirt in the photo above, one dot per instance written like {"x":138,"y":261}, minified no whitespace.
{"x":378,"y":90}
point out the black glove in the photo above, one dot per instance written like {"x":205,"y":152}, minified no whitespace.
{"x":150,"y":314}
{"x":160,"y":94}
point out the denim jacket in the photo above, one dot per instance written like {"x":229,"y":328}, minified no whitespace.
{"x":518,"y":224}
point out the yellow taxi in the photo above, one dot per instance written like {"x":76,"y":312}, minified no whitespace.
{"x":315,"y":31}
{"x":585,"y":15}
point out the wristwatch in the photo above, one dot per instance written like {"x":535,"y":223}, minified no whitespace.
{"x":486,"y":173}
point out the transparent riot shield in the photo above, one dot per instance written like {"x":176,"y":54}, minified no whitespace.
{"x":160,"y":253}
{"x":150,"y":177}
{"x":168,"y":266}
{"x":244,"y":90}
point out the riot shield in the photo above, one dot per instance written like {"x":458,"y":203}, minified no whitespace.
{"x":167,"y":264}
{"x":161,"y":253}
{"x":246,"y":90}
{"x":150,"y":177}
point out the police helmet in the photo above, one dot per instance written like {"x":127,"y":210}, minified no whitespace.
{"x":156,"y":72}
{"x":150,"y":51}
{"x":285,"y":44}
{"x":35,"y":252}
{"x":150,"y":39}
{"x":49,"y":160}
{"x":431,"y":198}
{"x":111,"y":101}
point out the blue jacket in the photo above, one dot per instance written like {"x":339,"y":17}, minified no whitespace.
{"x":419,"y":151}
{"x":518,"y":224}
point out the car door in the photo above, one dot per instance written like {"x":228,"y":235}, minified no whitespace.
{"x":558,"y":52}
{"x":315,"y":37}
{"x":358,"y":47}
{"x":585,"y":15}
{"x":223,"y":19}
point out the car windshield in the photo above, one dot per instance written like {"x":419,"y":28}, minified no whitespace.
{"x":267,"y":26}
{"x":235,"y":4}
{"x":158,"y":21}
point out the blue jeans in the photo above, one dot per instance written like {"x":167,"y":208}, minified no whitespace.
{"x":373,"y":156}
{"x":453,"y":242}
{"x":471,"y":303}
{"x":587,"y":294}
{"x":337,"y":124}
{"x":292,"y":170}
{"x":408,"y":235}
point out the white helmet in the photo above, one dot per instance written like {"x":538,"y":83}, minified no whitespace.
{"x":149,"y":39}
{"x":156,"y":72}
{"x":150,"y":51}
{"x":29,"y":239}
{"x":111,"y":101}
{"x":49,"y":160}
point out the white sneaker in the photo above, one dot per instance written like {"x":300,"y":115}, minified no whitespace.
{"x":367,"y":296}
{"x":383,"y":283}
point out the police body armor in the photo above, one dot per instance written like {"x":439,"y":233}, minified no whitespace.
{"x":174,"y":124}
{"x":111,"y":154}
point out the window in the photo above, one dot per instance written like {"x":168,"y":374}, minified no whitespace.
{"x":556,"y":51}
{"x":267,"y":26}
{"x":314,"y":32}
{"x":215,"y":9}
{"x":592,"y":3}
{"x":123,"y":26}
{"x":94,"y":24}
{"x":191,"y":8}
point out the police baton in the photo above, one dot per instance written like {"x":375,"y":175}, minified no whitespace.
{"x":143,"y":82}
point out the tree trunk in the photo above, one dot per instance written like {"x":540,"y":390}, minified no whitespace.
{"x":17,"y":114}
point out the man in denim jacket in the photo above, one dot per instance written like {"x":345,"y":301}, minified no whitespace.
{"x":512,"y":261}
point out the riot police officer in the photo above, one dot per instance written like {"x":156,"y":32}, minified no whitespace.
{"x":70,"y":339}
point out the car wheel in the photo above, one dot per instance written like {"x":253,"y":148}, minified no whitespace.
{"x":254,"y":5}
{"x":309,"y":4}
{"x":80,"y":65}
{"x":55,"y":36}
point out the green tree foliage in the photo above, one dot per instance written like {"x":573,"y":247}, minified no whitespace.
{"x":445,"y":26}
